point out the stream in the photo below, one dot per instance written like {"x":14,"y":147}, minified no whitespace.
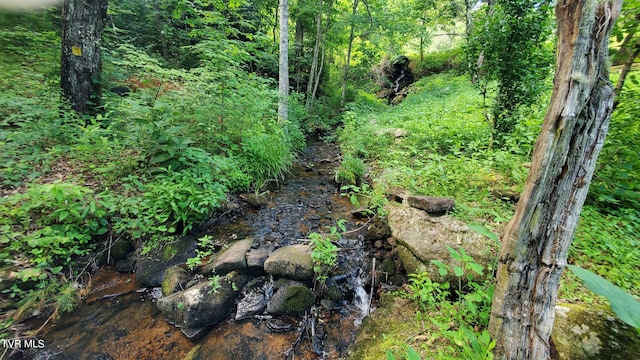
{"x":129,"y":325}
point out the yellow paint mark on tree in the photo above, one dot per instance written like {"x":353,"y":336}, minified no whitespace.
{"x":76,"y":51}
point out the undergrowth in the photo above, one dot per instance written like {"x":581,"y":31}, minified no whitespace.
{"x":150,"y":167}
{"x":437,"y":142}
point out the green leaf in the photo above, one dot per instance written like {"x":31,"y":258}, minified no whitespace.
{"x":485,"y":232}
{"x":160,"y":158}
{"x":477,"y":268}
{"x":622,"y":303}
{"x":454,"y":254}
{"x":442,"y":268}
{"x":390,"y":355}
{"x":412,"y":354}
{"x":458,"y":271}
{"x":63,"y":215}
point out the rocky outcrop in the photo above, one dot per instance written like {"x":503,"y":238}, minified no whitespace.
{"x":589,"y":333}
{"x":378,"y":229}
{"x":201,"y":305}
{"x":292,"y":262}
{"x":394,"y":76}
{"x":422,"y":238}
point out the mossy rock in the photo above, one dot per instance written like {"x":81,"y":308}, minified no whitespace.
{"x":175,"y":279}
{"x":150,"y":268}
{"x":582,"y":332}
{"x":291,"y":300}
{"x":386,"y":329}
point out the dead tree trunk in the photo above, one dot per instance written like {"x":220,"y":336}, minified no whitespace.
{"x":81,"y":63}
{"x":534,"y":247}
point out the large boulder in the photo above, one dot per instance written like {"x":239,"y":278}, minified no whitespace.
{"x":292,"y":262}
{"x":150,"y":268}
{"x":201,"y":305}
{"x":422,"y":238}
{"x":588,"y":333}
{"x":233,"y":258}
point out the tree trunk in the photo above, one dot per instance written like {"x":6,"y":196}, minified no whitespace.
{"x":345,"y":74}
{"x":631,"y":52}
{"x":536,"y":241}
{"x":314,"y":63}
{"x":164,"y":48}
{"x":315,"y":86}
{"x":81,"y":63}
{"x":283,"y":69}
{"x":299,"y":43}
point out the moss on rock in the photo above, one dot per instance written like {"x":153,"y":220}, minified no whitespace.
{"x":590,"y":333}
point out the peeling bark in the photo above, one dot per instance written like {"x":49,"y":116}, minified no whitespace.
{"x":534,"y":247}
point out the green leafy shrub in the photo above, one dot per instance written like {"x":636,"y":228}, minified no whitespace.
{"x":374,"y":197}
{"x":351,"y":171}
{"x":607,"y":243}
{"x":441,"y":61}
{"x":454,"y":316}
{"x":171,"y":204}
{"x":424,"y":291}
{"x":54,"y":223}
{"x":616,"y":182}
{"x":266,"y":157}
{"x":324,"y":252}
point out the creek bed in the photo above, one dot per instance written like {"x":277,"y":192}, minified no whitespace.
{"x":121,"y":321}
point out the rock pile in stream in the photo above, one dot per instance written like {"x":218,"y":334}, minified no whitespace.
{"x":194,"y":302}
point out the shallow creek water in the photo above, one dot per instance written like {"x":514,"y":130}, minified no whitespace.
{"x":129,"y":326}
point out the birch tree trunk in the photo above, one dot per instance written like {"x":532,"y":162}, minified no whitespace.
{"x":534,"y":247}
{"x":283,"y":69}
{"x":81,"y":63}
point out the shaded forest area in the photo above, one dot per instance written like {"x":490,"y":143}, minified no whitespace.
{"x":442,"y":98}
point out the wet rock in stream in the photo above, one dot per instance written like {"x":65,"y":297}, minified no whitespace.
{"x":293,"y":262}
{"x":233,"y":258}
{"x":150,"y":268}
{"x":201,"y":305}
{"x":292,"y":298}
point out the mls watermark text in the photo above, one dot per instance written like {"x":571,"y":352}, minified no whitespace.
{"x":28,"y":343}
